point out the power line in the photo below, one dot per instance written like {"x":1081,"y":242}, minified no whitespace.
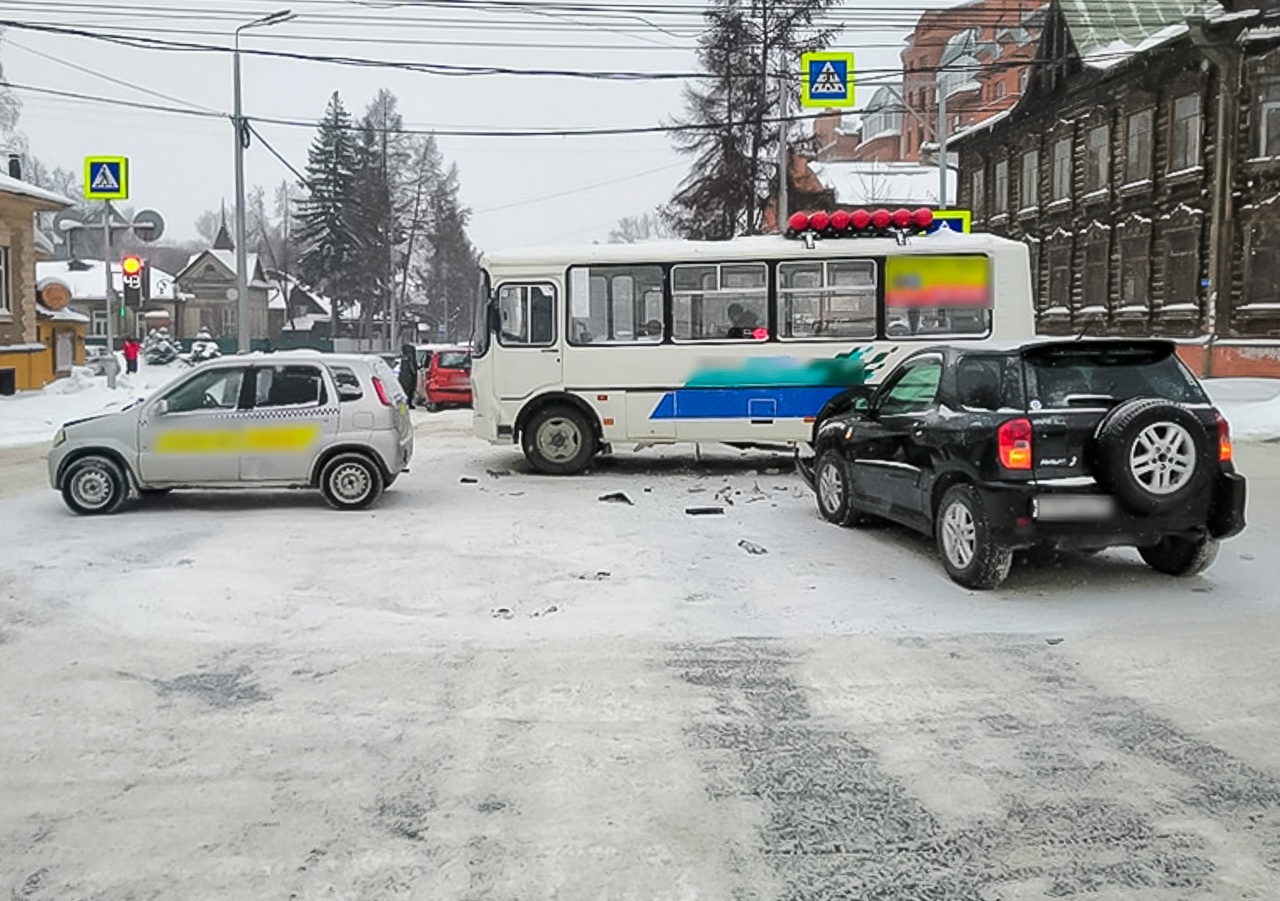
{"x":108,"y":78}
{"x":580,"y":189}
{"x":453,"y":70}
{"x":116,"y":101}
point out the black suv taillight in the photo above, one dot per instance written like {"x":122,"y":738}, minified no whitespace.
{"x":1224,"y":439}
{"x":1013,"y":439}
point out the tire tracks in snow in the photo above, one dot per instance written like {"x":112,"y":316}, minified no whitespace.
{"x":1084,"y":792}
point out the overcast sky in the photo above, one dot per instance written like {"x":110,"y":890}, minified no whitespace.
{"x":521,"y":190}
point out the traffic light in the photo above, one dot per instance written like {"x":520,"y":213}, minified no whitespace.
{"x":133,"y":270}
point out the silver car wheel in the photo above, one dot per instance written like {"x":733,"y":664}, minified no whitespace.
{"x":92,"y":487}
{"x":831,"y":487}
{"x":1162,"y":458}
{"x":351,"y":482}
{"x":959,"y":535}
{"x":559,"y":439}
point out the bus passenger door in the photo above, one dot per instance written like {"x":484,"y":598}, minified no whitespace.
{"x":527,"y":356}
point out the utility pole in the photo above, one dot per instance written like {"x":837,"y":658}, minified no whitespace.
{"x":242,"y":141}
{"x":106,"y":296}
{"x":783,"y":168}
{"x":1220,"y":47}
{"x":942,"y":142}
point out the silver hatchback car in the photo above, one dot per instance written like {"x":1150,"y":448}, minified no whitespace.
{"x":282,"y":420}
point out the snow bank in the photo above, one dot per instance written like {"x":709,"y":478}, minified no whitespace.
{"x":1252,"y":406}
{"x":31,"y":417}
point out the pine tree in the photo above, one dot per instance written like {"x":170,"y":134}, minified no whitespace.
{"x":733,"y":133}
{"x":383,"y":158}
{"x":329,"y":257}
{"x":425,"y":174}
{"x":450,"y":275}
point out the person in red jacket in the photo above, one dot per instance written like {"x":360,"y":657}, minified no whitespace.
{"x":131,"y":349}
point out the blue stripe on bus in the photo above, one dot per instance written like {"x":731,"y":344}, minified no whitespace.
{"x":744,"y":403}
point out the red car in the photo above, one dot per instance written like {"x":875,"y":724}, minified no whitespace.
{"x":449,"y":379}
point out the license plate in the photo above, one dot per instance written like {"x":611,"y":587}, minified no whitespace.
{"x":1077,"y":507}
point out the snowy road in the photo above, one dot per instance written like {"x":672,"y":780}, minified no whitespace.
{"x":505,"y":688}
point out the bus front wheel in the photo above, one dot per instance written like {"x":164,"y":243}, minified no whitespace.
{"x":559,"y":441}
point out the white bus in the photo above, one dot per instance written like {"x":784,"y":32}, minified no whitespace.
{"x":740,"y":342}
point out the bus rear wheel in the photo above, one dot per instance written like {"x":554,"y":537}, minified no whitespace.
{"x":559,"y":441}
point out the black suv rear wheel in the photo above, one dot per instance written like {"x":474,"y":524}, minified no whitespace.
{"x":1153,"y":455}
{"x":969,"y":555}
{"x":1179,"y":555}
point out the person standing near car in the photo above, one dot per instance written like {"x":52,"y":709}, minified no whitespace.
{"x":409,"y":371}
{"x":131,"y":350}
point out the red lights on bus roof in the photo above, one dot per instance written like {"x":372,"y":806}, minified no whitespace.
{"x":847,"y":223}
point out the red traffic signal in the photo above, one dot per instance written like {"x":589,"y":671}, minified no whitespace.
{"x":132,"y":271}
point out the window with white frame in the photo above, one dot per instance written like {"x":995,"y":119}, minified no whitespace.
{"x":1029,"y":195}
{"x":882,"y":122}
{"x":1137,"y":160}
{"x":1001,"y":202}
{"x":1097,"y":171}
{"x":1184,"y":150}
{"x":4,"y":279}
{"x":1062,"y":169}
{"x":615,"y":304}
{"x":717,"y":302}
{"x":98,"y":327}
{"x":228,"y":324}
{"x":832,"y":299}
{"x":1269,"y":118}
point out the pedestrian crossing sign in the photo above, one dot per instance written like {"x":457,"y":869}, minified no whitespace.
{"x":955,"y":220}
{"x":106,"y":178}
{"x":827,"y":79}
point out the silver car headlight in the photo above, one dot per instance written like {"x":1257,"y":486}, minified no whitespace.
{"x":59,"y":437}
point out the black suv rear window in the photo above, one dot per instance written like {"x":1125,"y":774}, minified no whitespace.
{"x":1068,"y":376}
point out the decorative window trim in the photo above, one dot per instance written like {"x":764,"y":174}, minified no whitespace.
{"x":1135,"y":187}
{"x":1057,"y":206}
{"x":1187,"y":174}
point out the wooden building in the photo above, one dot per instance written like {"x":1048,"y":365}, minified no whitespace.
{"x":1142,"y":167}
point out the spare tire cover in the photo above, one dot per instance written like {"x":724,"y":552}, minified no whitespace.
{"x":1152,"y":454}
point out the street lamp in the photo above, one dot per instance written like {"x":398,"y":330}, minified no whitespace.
{"x":242,"y":141}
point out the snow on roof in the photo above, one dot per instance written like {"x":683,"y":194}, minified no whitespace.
{"x":63,"y":315}
{"x":1107,"y":33}
{"x":47,"y":199}
{"x":865,"y":183}
{"x":43,"y":244}
{"x":978,"y":126}
{"x":276,"y":299}
{"x":85,"y":279}
{"x":228,"y":259}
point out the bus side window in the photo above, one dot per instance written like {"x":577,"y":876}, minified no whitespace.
{"x":526,"y":315}
{"x":542,"y":317}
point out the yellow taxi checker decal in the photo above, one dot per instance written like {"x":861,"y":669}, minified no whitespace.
{"x":284,"y":438}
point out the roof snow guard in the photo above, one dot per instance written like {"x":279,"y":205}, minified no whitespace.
{"x":845,"y":224}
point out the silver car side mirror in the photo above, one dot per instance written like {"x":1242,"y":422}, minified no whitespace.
{"x":160,"y":407}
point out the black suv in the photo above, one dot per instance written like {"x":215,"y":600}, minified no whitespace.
{"x":1081,"y":444}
